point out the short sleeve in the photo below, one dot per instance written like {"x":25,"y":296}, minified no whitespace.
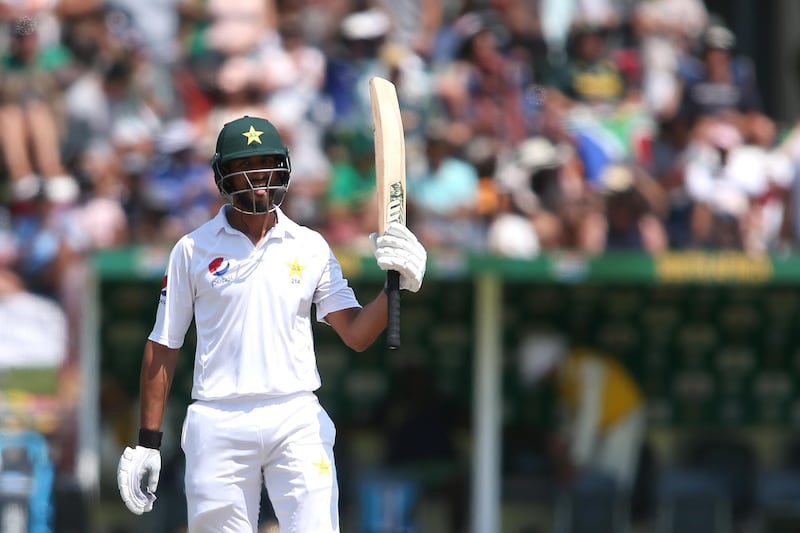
{"x":176,"y":300}
{"x":333,"y":291}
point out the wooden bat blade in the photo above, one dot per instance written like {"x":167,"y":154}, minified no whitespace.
{"x":390,"y":153}
{"x":390,"y":171}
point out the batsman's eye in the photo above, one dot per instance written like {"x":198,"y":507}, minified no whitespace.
{"x":257,"y":175}
{"x":280,"y":178}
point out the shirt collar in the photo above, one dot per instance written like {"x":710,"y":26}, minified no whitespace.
{"x":284,"y":227}
{"x":220,"y":222}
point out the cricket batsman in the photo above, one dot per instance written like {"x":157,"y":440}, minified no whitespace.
{"x":249,"y":278}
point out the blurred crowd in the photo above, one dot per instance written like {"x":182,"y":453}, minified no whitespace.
{"x":532,"y":125}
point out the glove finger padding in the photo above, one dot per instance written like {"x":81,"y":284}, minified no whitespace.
{"x":398,"y":249}
{"x":134,"y":465}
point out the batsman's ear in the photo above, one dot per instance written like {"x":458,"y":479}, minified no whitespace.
{"x":218,"y":174}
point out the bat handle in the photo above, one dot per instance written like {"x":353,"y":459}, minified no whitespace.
{"x":393,"y":324}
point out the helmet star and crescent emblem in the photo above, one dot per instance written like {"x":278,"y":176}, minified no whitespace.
{"x":253,"y":135}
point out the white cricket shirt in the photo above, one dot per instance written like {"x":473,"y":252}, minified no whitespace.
{"x":251,"y":305}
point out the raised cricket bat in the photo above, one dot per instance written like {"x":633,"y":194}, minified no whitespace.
{"x":390,"y":170}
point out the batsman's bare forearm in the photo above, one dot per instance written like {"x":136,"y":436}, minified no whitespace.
{"x":158,"y":369}
{"x":359,"y":328}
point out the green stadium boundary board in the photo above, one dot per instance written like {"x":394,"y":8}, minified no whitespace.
{"x":712,"y":337}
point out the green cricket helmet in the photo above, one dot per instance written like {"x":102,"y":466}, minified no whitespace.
{"x":253,"y":190}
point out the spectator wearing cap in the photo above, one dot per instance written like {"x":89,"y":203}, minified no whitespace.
{"x":542,"y":181}
{"x":722,"y":83}
{"x":352,"y":60}
{"x":634,"y":206}
{"x":590,"y":75}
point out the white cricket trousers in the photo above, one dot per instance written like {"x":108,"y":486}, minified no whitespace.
{"x":232,"y":446}
{"x":619,"y":449}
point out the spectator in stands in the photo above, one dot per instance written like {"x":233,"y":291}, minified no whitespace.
{"x":443,"y":200}
{"x":415,"y":82}
{"x":235,"y":93}
{"x":720,"y":202}
{"x":34,"y":336}
{"x":667,"y":166}
{"x":531,"y":183}
{"x":40,"y":230}
{"x":151,"y":25}
{"x":720,"y":82}
{"x":352,"y":59}
{"x":601,"y":102}
{"x":789,"y":146}
{"x":241,"y":28}
{"x":178,"y":183}
{"x":97,"y":221}
{"x":93,"y":47}
{"x":525,"y":30}
{"x":634,"y":209}
{"x":484,"y":93}
{"x":558,"y":19}
{"x":415,"y":24}
{"x":31,"y":117}
{"x":543,"y":180}
{"x":349,"y":205}
{"x":603,"y":406}
{"x":590,"y":76}
{"x":665,"y":32}
{"x":127,"y":118}
{"x":738,"y":190}
{"x":510,"y":232}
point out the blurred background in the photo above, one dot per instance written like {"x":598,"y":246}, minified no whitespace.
{"x":607,"y":338}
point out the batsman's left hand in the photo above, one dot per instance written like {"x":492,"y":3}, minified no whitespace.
{"x":399,"y":249}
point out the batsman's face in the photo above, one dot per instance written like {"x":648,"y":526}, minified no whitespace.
{"x":256,"y":184}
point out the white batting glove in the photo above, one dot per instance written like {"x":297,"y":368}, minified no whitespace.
{"x":399,"y":249}
{"x":134,"y":465}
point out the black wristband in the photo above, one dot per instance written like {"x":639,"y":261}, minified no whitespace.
{"x":150,"y":438}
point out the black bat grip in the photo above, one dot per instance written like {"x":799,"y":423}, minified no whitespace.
{"x":393,"y":295}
